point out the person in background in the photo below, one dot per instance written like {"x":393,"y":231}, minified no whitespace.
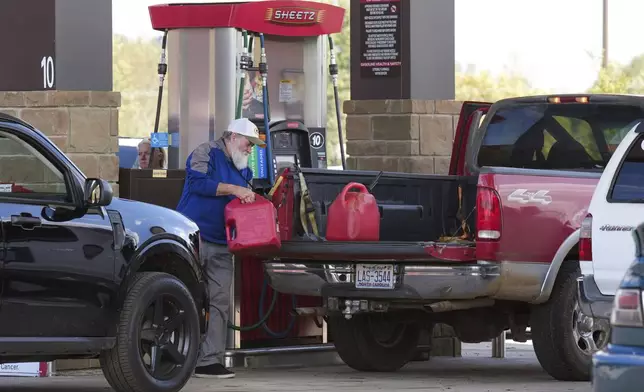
{"x":144,"y":150}
{"x":217,"y":172}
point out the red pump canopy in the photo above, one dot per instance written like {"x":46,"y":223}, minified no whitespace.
{"x":285,"y":18}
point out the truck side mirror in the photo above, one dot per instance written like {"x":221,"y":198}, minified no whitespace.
{"x":97,"y":192}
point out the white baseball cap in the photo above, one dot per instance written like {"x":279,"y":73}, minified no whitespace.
{"x":243,"y":126}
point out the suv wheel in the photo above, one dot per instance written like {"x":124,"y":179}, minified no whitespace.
{"x":374,"y":342}
{"x":157,"y":342}
{"x":565,"y":339}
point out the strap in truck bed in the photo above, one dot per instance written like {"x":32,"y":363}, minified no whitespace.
{"x":307,"y":210}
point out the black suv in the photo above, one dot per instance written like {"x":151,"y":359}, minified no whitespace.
{"x":85,"y":275}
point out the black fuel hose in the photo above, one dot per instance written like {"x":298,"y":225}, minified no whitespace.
{"x":333,"y":71}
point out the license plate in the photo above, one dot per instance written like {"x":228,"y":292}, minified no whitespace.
{"x":374,"y":276}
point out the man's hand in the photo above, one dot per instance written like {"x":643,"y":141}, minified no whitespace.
{"x":245,"y":195}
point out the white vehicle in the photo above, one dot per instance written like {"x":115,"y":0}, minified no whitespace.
{"x":606,"y":246}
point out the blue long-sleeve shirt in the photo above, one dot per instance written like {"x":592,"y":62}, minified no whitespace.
{"x":206,"y":167}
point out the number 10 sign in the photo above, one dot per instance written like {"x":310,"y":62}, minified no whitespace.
{"x":28,"y":38}
{"x":49,"y":45}
{"x":48,"y":72}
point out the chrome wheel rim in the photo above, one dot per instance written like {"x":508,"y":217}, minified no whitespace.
{"x":590,"y":334}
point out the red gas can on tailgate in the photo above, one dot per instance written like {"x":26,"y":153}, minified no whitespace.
{"x":353,"y":216}
{"x":252,"y":226}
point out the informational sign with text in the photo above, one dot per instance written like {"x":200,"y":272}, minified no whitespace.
{"x":380,"y":32}
{"x":26,"y":369}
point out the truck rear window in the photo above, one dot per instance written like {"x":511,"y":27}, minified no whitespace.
{"x":556,"y":136}
{"x":628,"y":185}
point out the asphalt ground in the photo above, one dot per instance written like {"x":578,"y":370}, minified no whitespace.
{"x":475,"y":371}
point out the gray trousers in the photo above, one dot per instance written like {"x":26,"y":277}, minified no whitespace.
{"x":218,"y":263}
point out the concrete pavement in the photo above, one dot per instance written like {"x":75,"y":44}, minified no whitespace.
{"x":474,"y":372}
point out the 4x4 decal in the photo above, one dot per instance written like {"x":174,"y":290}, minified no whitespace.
{"x":524,"y":197}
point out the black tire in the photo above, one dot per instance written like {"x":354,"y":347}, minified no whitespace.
{"x":359,"y":347}
{"x":123,"y":365}
{"x":552,"y":330}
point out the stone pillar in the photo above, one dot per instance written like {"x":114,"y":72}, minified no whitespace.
{"x":83,"y":124}
{"x":63,"y":45}
{"x":411,"y":136}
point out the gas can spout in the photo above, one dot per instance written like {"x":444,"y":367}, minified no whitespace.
{"x":375,"y":181}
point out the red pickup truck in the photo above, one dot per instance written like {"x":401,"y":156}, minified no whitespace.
{"x":492,"y":246}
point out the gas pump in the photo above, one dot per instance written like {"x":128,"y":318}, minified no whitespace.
{"x":287,"y":116}
{"x":292,"y":142}
{"x":206,"y":91}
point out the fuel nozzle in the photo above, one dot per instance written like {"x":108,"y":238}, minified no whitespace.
{"x":246,"y":56}
{"x":263,"y":68}
{"x":162,"y":67}
{"x":245,"y":61}
{"x":333,"y":66}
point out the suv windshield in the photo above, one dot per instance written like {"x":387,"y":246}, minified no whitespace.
{"x":556,"y":136}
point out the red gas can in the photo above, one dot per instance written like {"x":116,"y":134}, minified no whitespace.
{"x":353,"y":216}
{"x":251,"y":227}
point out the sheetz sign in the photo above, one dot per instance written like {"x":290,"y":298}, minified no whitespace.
{"x":287,"y":18}
{"x":294,"y":15}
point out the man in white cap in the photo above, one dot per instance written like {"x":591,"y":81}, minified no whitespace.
{"x":216,"y":173}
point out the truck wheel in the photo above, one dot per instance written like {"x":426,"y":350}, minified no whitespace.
{"x":374,"y":342}
{"x":564,"y":339}
{"x":157,"y":340}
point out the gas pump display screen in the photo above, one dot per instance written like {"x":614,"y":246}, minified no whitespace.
{"x":284,"y":140}
{"x":284,"y":161}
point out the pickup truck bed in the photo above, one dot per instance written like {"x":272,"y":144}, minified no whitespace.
{"x":417,"y":212}
{"x":420,"y":237}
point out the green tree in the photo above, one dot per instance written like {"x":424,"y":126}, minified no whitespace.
{"x":611,"y":80}
{"x":484,"y":86}
{"x":621,"y":79}
{"x":135,"y":77}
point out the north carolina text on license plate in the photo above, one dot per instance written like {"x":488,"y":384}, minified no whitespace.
{"x":374,"y":276}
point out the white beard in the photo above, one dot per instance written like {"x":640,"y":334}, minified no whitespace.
{"x":240,"y":159}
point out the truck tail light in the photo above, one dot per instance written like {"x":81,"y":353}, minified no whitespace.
{"x":568,"y":99}
{"x":585,"y":239}
{"x":627,"y":308}
{"x":488,"y":214}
